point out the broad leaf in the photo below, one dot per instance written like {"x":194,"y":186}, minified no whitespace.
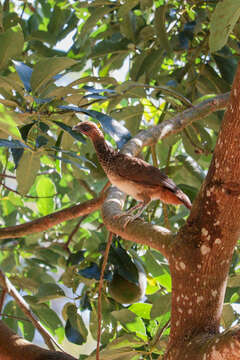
{"x":49,"y":291}
{"x":223,"y":20}
{"x":46,"y":69}
{"x":11,"y":44}
{"x":27,"y":170}
{"x":45,"y":189}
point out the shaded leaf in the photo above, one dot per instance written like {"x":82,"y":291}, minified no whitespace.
{"x":131,"y":321}
{"x":76,"y":322}
{"x":73,"y":335}
{"x":68,"y":161}
{"x":222,"y":22}
{"x":69,"y":130}
{"x":16,"y":154}
{"x":24,"y":130}
{"x":48,"y":317}
{"x":45,"y":70}
{"x":160,"y":27}
{"x":49,"y":291}
{"x":27,"y":170}
{"x":11,"y":44}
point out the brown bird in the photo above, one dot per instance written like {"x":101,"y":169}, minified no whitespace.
{"x":132,"y":175}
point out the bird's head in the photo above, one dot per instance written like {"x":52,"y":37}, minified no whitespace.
{"x":88,"y":128}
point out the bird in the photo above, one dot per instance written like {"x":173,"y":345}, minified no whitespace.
{"x":132,"y":175}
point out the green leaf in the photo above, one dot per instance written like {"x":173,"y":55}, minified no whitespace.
{"x":234,"y":281}
{"x":46,"y":69}
{"x":228,"y":316}
{"x":118,"y":354}
{"x":68,"y":129}
{"x":76,"y":321}
{"x":49,"y":291}
{"x":141,"y":309}
{"x":161,"y":304}
{"x":27,"y":328}
{"x":131,"y":322}
{"x":27,"y":170}
{"x":48,"y":317}
{"x":12,"y":42}
{"x":132,"y":116}
{"x":222,"y":22}
{"x":129,"y":340}
{"x":97,"y":13}
{"x":45,"y":188}
{"x":193,"y":168}
{"x":8,"y":125}
{"x":128,"y":26}
{"x":160,"y":27}
{"x":10,"y":309}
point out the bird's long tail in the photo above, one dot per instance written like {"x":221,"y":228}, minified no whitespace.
{"x":184,"y":199}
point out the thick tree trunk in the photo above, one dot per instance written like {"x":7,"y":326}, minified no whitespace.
{"x":201,"y":254}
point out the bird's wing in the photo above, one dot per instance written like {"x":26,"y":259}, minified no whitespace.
{"x":137,"y":170}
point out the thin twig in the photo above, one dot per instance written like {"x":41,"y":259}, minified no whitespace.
{"x":66,"y":245}
{"x":197,"y":147}
{"x":154,"y":156}
{"x":28,"y":196}
{"x":159,"y":334}
{"x":165,"y":208}
{"x":10,"y":288}
{"x":15,"y":317}
{"x":8,"y":176}
{"x":105,"y":188}
{"x":110,"y":235}
{"x":87,"y":187}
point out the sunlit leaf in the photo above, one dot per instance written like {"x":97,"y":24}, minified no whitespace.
{"x":45,"y":189}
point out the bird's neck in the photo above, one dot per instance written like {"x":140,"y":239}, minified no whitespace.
{"x":103,"y":150}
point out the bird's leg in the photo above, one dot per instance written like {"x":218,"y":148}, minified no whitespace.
{"x":132,"y":209}
{"x":141,"y":206}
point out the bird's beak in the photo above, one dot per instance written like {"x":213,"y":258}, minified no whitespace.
{"x":75,"y":127}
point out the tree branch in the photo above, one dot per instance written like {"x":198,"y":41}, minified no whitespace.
{"x":175,"y":124}
{"x":144,"y":233}
{"x":13,"y":347}
{"x":48,"y":221}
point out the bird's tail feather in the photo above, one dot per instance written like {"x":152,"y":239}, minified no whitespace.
{"x":184,"y":199}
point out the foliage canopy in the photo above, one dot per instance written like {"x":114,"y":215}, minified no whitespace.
{"x":130,"y":65}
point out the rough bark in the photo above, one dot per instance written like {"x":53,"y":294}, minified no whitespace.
{"x":13,"y":347}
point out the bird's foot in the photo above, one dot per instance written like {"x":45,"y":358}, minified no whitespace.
{"x":129,"y":218}
{"x":140,"y":206}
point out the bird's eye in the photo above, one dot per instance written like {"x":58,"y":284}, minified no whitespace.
{"x":86,"y":127}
